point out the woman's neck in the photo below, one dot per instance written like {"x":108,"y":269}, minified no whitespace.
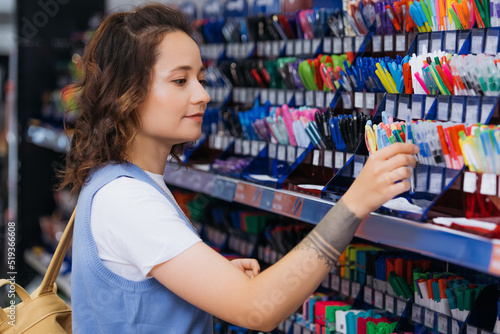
{"x":148,"y":155}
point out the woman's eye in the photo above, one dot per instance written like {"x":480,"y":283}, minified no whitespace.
{"x":180,"y":82}
{"x":203,"y":82}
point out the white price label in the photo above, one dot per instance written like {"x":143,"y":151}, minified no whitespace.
{"x":488,"y":184}
{"x":370,"y":100}
{"x":436,"y":183}
{"x":237,"y":146}
{"x":416,"y":109}
{"x":491,"y":46}
{"x":461,"y":41}
{"x":388,"y":43}
{"x":272,"y":97}
{"x":471,"y":114}
{"x":358,"y":100}
{"x":390,"y":105}
{"x":310,"y":98}
{"x":290,"y":48}
{"x":389,"y":303}
{"x":355,"y":288}
{"x":218,"y":142}
{"x":457,"y":112}
{"x":299,"y":98}
{"x":368,"y":295}
{"x":470,"y":181}
{"x":290,"y":154}
{"x":416,"y":314}
{"x":377,"y":43}
{"x":443,"y":111}
{"x":400,"y":306}
{"x":348,"y":156}
{"x":379,"y":300}
{"x":422,"y":43}
{"x":442,"y":324}
{"x":268,"y":49}
{"x":315,"y":45}
{"x":402,"y":109}
{"x":436,"y":44}
{"x":281,"y":152}
{"x":429,"y":101}
{"x":455,"y":328}
{"x":337,"y":45}
{"x":358,"y":166}
{"x":328,"y":159}
{"x":246,"y":147}
{"x":486,"y":110}
{"x":281,"y":97}
{"x":400,"y":43}
{"x":335,"y":283}
{"x":339,"y":159}
{"x":254,"y":148}
{"x":320,"y":99}
{"x":450,"y":42}
{"x":476,"y":44}
{"x":272,"y":151}
{"x":346,"y":100}
{"x":357,"y":42}
{"x":429,"y":318}
{"x":307,"y":47}
{"x":276,"y":48}
{"x":315,"y":161}
{"x":345,"y":287}
{"x":471,"y":329}
{"x":327,"y":45}
{"x":298,"y":47}
{"x":348,"y":41}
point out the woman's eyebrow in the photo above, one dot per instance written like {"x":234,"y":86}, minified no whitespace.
{"x":187,"y":68}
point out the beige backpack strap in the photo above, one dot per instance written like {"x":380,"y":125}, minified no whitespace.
{"x":57,"y":260}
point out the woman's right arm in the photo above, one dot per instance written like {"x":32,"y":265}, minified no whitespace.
{"x":207,"y":280}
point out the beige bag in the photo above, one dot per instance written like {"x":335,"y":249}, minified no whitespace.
{"x":42,"y":311}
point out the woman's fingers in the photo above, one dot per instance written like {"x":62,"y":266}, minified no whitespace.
{"x":392,"y":150}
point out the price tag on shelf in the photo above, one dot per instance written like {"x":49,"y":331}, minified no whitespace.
{"x":436,"y":42}
{"x":358,"y":166}
{"x":443,"y":110}
{"x":346,"y":100}
{"x":357,"y":42}
{"x":273,"y":97}
{"x":400,"y":43}
{"x":379,"y":299}
{"x":470,"y":181}
{"x":436,"y":183}
{"x":400,"y":306}
{"x":429,"y":318}
{"x":328,"y":98}
{"x":299,"y":98}
{"x":320,"y":99}
{"x":487,"y":108}
{"x":310,"y":98}
{"x":246,"y":147}
{"x":348,"y":44}
{"x":402,"y":108}
{"x":450,"y":41}
{"x":335,"y":283}
{"x":345,"y":287}
{"x":377,"y":43}
{"x":272,"y":150}
{"x":455,"y":328}
{"x":488,"y":184}
{"x":476,"y":46}
{"x":389,"y":303}
{"x":289,"y":94}
{"x":491,"y":44}
{"x":416,"y":314}
{"x":328,"y":160}
{"x":423,"y":43}
{"x":339,"y":159}
{"x":281,"y":152}
{"x":291,"y":154}
{"x":290,"y":47}
{"x":254,"y":148}
{"x":276,"y":48}
{"x":355,"y":288}
{"x":462,"y":37}
{"x":316,"y":43}
{"x":327,"y":45}
{"x":237,"y":146}
{"x":421,"y":183}
{"x":268,"y":49}
{"x":442,"y":321}
{"x":370,"y":100}
{"x":416,"y":108}
{"x":264,"y":96}
{"x":307,"y":47}
{"x":472,"y":110}
{"x":472,"y":330}
{"x":358,"y":100}
{"x":298,"y":49}
{"x":315,"y":160}
{"x":388,"y":43}
{"x":281,"y":99}
{"x":337,"y":45}
{"x":429,"y":101}
{"x":368,"y":295}
{"x":218,"y":142}
{"x":457,"y":112}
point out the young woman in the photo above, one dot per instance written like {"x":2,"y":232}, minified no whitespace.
{"x":138,"y":264}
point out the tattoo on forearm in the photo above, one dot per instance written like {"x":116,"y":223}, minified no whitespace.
{"x":332,"y":235}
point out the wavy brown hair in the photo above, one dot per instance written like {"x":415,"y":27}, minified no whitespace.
{"x":117,"y":63}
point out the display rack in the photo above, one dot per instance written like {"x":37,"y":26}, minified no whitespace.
{"x":469,"y":250}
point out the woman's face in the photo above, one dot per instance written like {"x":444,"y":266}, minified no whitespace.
{"x":173,"y":111}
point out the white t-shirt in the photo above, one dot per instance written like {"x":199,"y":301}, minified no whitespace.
{"x":135,"y":227}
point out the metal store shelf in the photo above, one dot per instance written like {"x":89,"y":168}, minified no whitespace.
{"x":448,"y":245}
